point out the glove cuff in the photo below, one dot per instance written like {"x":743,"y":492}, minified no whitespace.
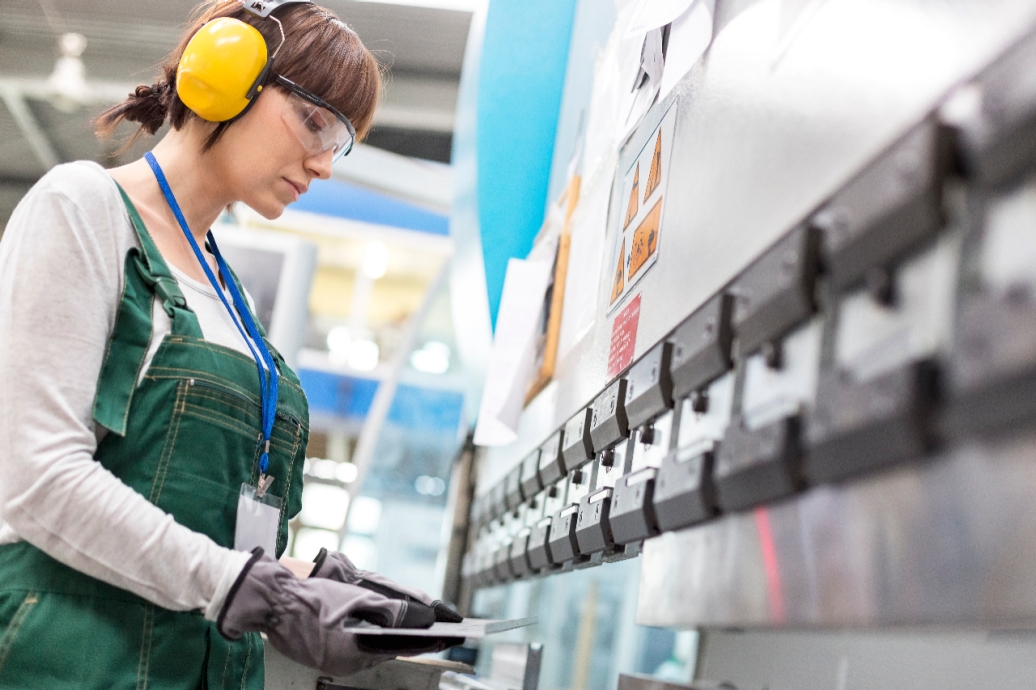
{"x":257,"y":553}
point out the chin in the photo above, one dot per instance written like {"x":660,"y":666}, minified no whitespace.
{"x":270,"y":210}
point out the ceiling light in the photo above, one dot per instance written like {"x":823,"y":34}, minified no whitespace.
{"x":430,"y":486}
{"x":68,"y":80}
{"x":346,"y":472}
{"x":364,"y":355}
{"x":338,"y":340}
{"x":375,"y":260}
{"x":433,"y":358}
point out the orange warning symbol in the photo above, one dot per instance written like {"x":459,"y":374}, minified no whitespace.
{"x":634,"y":205}
{"x":645,"y":239}
{"x":655,"y":176}
{"x":619,"y":283}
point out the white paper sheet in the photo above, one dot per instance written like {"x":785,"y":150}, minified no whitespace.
{"x":689,"y":38}
{"x":586,"y":256}
{"x":649,"y":76}
{"x":511,"y":359}
{"x":652,"y":14}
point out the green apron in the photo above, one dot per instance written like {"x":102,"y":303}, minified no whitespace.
{"x":186,"y":438}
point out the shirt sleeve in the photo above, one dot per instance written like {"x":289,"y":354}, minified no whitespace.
{"x":60,"y":284}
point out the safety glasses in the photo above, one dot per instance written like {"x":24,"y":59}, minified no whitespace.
{"x":316,"y":123}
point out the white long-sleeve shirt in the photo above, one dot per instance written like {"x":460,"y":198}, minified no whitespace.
{"x":61,"y":278}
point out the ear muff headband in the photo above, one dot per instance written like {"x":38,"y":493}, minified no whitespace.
{"x":225,"y":65}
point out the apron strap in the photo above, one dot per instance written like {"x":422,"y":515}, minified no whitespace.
{"x":147,"y":277}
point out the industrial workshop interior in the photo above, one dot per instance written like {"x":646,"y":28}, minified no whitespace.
{"x":518,"y":344}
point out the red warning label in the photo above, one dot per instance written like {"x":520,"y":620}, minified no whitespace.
{"x":624,"y":337}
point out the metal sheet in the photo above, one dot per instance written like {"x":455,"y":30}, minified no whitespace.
{"x":948,"y":542}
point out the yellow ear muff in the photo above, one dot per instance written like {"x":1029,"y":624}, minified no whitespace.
{"x":219,"y":69}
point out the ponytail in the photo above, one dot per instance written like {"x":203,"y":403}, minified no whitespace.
{"x":147,"y":105}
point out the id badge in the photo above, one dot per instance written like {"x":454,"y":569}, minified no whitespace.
{"x":257,"y":521}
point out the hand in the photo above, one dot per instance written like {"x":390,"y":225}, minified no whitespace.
{"x":336,"y":566}
{"x":305,"y":619}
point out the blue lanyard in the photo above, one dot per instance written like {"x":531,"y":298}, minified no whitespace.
{"x":267,"y":375}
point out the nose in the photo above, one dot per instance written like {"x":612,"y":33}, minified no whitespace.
{"x":320,"y":165}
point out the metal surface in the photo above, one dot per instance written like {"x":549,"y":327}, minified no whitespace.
{"x":944,"y":542}
{"x":765,"y":139}
{"x":784,"y":134}
{"x":397,"y":674}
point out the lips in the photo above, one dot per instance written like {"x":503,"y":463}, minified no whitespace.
{"x":297,"y":189}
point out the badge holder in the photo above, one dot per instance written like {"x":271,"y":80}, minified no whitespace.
{"x":258,"y":517}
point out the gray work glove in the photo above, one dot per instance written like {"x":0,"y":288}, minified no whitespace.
{"x":305,"y":619}
{"x":336,"y":566}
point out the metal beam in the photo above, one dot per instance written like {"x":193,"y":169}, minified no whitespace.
{"x":30,"y":128}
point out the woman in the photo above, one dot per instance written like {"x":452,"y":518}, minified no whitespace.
{"x":151,"y":440}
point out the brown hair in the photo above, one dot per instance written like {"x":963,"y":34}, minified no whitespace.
{"x":320,"y":54}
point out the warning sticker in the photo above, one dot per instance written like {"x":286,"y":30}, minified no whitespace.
{"x":624,"y":337}
{"x":645,"y":241}
{"x":637,"y":242}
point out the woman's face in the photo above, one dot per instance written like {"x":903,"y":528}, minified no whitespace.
{"x":263,"y":162}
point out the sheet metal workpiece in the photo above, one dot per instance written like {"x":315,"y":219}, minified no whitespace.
{"x":775,"y":293}
{"x":701,"y":346}
{"x":593,"y":527}
{"x":755,"y":466}
{"x":530,"y":475}
{"x":577,"y":447}
{"x":562,"y":543}
{"x":539,"y":544}
{"x":891,"y":206}
{"x":608,"y":423}
{"x":632,"y":513}
{"x":649,"y":386}
{"x":684,"y":493}
{"x":855,"y":427}
{"x":552,"y":466}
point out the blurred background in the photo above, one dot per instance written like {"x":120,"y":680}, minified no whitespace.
{"x":356,"y":266}
{"x":361,"y":285}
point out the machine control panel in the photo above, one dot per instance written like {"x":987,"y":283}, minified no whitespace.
{"x":552,"y":465}
{"x":755,"y":466}
{"x":539,"y":544}
{"x":855,"y":427}
{"x":998,"y":145}
{"x":519,"y":558}
{"x":649,"y":386}
{"x":891,"y":206}
{"x":577,"y":447}
{"x":632,"y":511}
{"x":775,"y":293}
{"x":701,"y":346}
{"x":608,"y":422}
{"x":593,"y":527}
{"x":563,"y":545}
{"x":513,"y":494}
{"x":498,"y":501}
{"x":684,"y":494}
{"x":530,"y":478}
